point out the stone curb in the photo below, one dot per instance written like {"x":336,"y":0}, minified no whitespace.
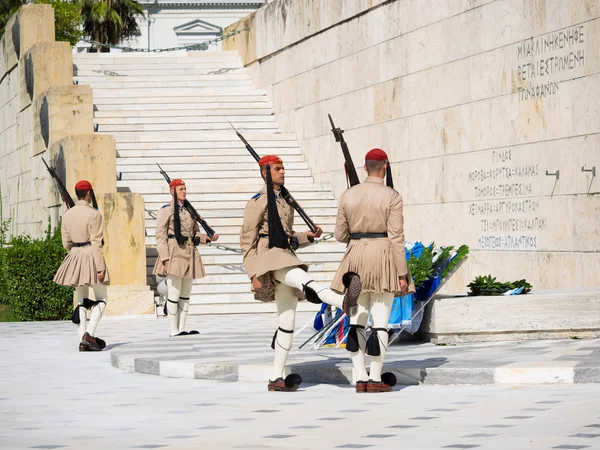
{"x":334,"y":373}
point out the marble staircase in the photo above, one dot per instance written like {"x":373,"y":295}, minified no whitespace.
{"x":173,"y":109}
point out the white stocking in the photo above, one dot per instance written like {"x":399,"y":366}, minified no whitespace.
{"x":381,"y":305}
{"x":358,"y":358}
{"x":173,"y":295}
{"x":98,"y":310}
{"x":184,"y":301}
{"x":82,"y":292}
{"x":286,"y":303}
{"x":298,"y":278}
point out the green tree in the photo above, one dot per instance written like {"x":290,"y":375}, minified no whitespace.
{"x":67,"y":20}
{"x":67,"y":17}
{"x":7,"y":9}
{"x":110,"y":21}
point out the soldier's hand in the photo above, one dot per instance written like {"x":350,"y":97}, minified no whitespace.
{"x":403,"y":285}
{"x":166,"y":264}
{"x":256,"y":284}
{"x":316,"y":234}
{"x":214,"y":238}
{"x":101,"y":276}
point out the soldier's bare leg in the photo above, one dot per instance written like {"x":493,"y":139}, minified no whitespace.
{"x":98,"y":309}
{"x":381,"y":305}
{"x":184,"y":303}
{"x":82,"y":292}
{"x":286,"y":302}
{"x":173,"y":295}
{"x":299,"y":279}
{"x":358,"y":335}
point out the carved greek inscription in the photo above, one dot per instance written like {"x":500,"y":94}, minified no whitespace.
{"x":544,"y":61}
{"x":507,"y":220}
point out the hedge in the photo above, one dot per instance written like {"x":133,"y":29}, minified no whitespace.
{"x":27,"y":267}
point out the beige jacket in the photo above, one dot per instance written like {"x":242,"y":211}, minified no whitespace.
{"x":372,"y":207}
{"x":258,"y":258}
{"x":184,"y":260}
{"x":81,"y":224}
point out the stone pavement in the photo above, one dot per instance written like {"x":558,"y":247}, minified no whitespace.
{"x":54,"y":397}
{"x":237,"y":348}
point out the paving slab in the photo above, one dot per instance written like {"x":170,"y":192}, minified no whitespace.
{"x":237,"y":348}
{"x":52,"y":396}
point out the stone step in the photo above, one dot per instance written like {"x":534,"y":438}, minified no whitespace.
{"x":86,"y":70}
{"x":219,"y":198}
{"x":216,"y":222}
{"x":98,"y":80}
{"x":234,"y":258}
{"x":312,"y":212}
{"x":169,"y":93}
{"x":229,"y":233}
{"x":197,"y":126}
{"x":245,"y":304}
{"x":174,"y":161}
{"x":227,"y":147}
{"x":247,"y":176}
{"x":225,"y":270}
{"x":215,"y":186}
{"x":213,"y":136}
{"x":242,"y":279}
{"x":223,"y":204}
{"x":221,"y":113}
{"x":155,"y":67}
{"x":175,"y":165}
{"x":232,"y":238}
{"x":221,"y":119}
{"x":196,"y":101}
{"x":150,"y":86}
{"x":176,"y":55}
{"x":320,"y":270}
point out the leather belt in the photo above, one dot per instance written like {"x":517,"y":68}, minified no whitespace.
{"x":368,"y":235}
{"x":81,"y":244}
{"x":185,"y":239}
{"x":294,"y":244}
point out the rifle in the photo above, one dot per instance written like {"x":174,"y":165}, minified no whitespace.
{"x":351,"y":175}
{"x":284,"y":192}
{"x":61,"y":187}
{"x":187,"y":205}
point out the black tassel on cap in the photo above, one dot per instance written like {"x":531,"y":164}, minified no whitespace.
{"x":277,"y":236}
{"x":176,"y":219}
{"x":94,"y":202}
{"x":389,"y":181}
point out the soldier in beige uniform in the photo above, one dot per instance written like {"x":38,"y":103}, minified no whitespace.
{"x":177,"y":236}
{"x":370,"y":221}
{"x":84,"y":266}
{"x":268,"y":242}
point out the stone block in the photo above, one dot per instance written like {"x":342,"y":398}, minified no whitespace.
{"x":24,"y":131}
{"x":124,"y":236}
{"x":31,"y":24}
{"x":89,"y":157}
{"x":542,"y":314}
{"x":59,"y":112}
{"x":125,"y":300}
{"x":45,"y":65}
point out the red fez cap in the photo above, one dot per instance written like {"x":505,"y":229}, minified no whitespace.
{"x":176,"y":182}
{"x":269,"y":159}
{"x":83,"y":185}
{"x":376,"y":155}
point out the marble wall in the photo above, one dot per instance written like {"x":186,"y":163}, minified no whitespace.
{"x":477,"y":102}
